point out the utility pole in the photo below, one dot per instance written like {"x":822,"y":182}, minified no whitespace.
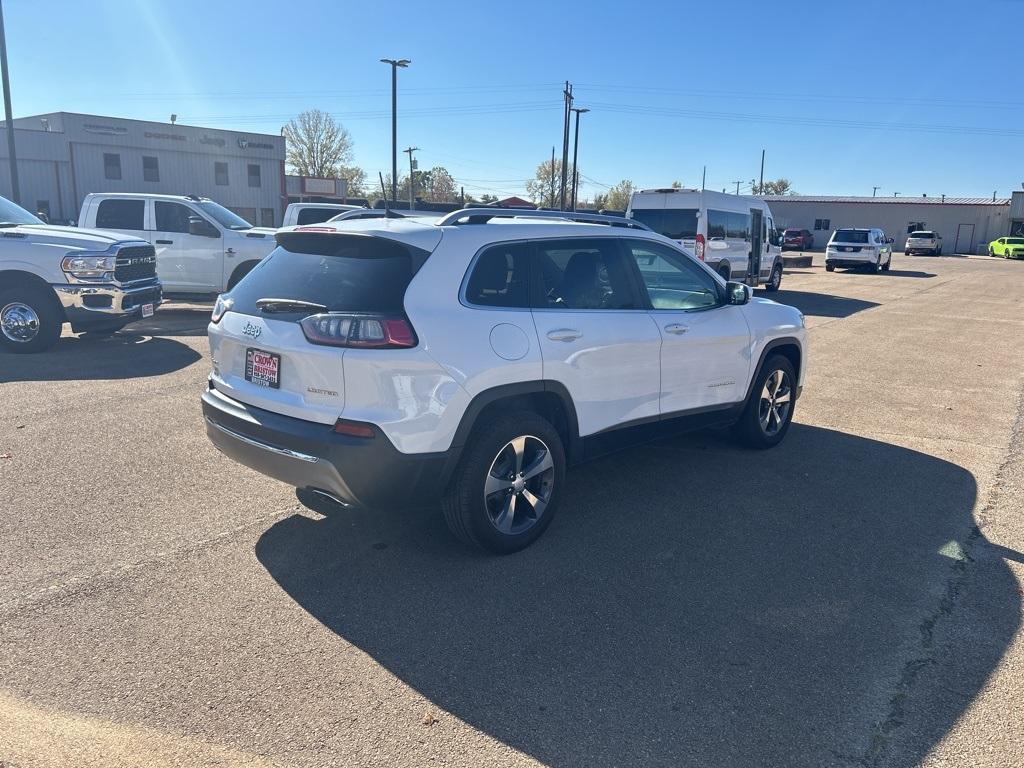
{"x":395,"y":64}
{"x":737,"y":183}
{"x":552,"y":185}
{"x":703,"y":178}
{"x":15,"y":187}
{"x":567,"y":93}
{"x":575,"y":150}
{"x":412,"y":174}
{"x":760,"y":189}
{"x":874,"y":191}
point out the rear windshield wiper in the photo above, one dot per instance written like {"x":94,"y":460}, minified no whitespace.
{"x":289,"y":305}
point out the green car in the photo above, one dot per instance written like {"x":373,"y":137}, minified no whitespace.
{"x":1007,"y":247}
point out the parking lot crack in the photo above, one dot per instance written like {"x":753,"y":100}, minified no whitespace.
{"x":924,"y":654}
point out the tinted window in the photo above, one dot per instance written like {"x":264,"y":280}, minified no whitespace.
{"x":226,"y":218}
{"x":738,"y":226}
{"x":121,"y":214}
{"x":850,"y":236}
{"x":254,"y":175}
{"x":673,"y":223}
{"x":718,"y":222}
{"x":583,"y":274}
{"x":1014,"y":241}
{"x":220,"y":174}
{"x":150,"y":169}
{"x":15,"y":214}
{"x":501,"y":277}
{"x":172,"y":217}
{"x":922,"y":234}
{"x":314,"y":215}
{"x":344,"y":273}
{"x":671,"y":280}
{"x":822,"y":224}
{"x":111,"y":166}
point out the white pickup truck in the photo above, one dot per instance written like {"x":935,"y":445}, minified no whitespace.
{"x":201,"y":246}
{"x":96,"y":281}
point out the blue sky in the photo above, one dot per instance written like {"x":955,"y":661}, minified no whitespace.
{"x":916,"y":97}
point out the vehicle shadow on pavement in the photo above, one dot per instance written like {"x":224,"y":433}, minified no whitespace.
{"x":693,"y":604}
{"x":822,"y":304}
{"x":121,"y":356}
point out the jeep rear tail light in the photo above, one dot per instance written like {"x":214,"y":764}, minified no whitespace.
{"x":700,"y":247}
{"x":334,"y":329}
{"x":353,"y":428}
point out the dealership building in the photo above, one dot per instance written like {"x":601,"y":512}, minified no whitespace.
{"x":63,"y":156}
{"x":966,"y":224}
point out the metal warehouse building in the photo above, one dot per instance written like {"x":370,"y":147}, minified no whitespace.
{"x":966,"y":224}
{"x":62,"y":156}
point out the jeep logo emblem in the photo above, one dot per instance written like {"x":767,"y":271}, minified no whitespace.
{"x":252,"y":330}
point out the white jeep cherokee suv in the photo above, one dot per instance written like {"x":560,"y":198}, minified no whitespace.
{"x":859,"y":248}
{"x":472,"y":358}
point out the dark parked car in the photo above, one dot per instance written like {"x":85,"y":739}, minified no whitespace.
{"x":797,"y":240}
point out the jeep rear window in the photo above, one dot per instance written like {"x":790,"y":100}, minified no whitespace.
{"x":350,"y":273}
{"x":850,"y":236}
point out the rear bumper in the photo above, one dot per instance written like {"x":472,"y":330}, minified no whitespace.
{"x":86,"y":306}
{"x":850,"y":260}
{"x":368,"y":472}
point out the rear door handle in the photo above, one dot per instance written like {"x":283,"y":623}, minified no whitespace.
{"x":677,"y":328}
{"x":564,"y":334}
{"x":165,"y":242}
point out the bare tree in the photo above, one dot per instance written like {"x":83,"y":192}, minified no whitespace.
{"x":317,"y":144}
{"x":777,"y":187}
{"x":545,"y":188}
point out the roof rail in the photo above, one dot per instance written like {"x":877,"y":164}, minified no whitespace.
{"x":483,"y":215}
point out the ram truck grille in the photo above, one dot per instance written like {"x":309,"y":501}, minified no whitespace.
{"x":135,"y":263}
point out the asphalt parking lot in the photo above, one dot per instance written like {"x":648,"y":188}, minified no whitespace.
{"x":852,"y":597}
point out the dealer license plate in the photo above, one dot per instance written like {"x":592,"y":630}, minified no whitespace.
{"x":147,"y":310}
{"x":263,"y":368}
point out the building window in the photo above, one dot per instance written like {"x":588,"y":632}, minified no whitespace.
{"x":111,"y":166}
{"x":254,"y":175}
{"x":220,"y":174}
{"x":822,"y":225}
{"x":267,"y":217}
{"x":150,"y":169}
{"x":915,"y":226}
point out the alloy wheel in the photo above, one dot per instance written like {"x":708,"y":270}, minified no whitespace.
{"x":19,"y":322}
{"x":519,"y":484}
{"x":776,"y":400}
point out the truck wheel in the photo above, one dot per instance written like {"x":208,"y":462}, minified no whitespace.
{"x":30,"y":319}
{"x":506,"y":489}
{"x":769,"y":410}
{"x":775,"y":280}
{"x":888,"y":264}
{"x":830,"y":267}
{"x":725,"y":272}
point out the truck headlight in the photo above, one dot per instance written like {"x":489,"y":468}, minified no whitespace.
{"x":89,"y":267}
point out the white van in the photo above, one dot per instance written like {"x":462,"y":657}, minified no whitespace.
{"x":201,"y":246}
{"x":315,"y":213}
{"x":717,"y":228}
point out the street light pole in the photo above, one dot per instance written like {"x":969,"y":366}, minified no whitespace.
{"x":395,"y":64}
{"x":15,"y":187}
{"x":575,"y":151}
{"x":412,"y":176}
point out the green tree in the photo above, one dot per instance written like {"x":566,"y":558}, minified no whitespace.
{"x":356,"y":178}
{"x":437,"y":185}
{"x":617,"y":197}
{"x":777,"y":187}
{"x":317,"y":144}
{"x":677,"y":185}
{"x":486,"y":198}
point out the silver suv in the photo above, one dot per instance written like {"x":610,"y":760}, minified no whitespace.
{"x":470,"y":359}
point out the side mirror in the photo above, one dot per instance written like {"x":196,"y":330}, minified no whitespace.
{"x":890,"y":240}
{"x":737,"y":293}
{"x":197,"y":225}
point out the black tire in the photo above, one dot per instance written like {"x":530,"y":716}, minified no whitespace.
{"x":37,"y":305}
{"x":241,"y":271}
{"x":888,"y":264}
{"x":775,"y":281}
{"x":725,"y":272}
{"x":991,"y":252}
{"x":830,"y":267}
{"x":750,"y":430}
{"x":876,"y":267}
{"x":471,"y":515}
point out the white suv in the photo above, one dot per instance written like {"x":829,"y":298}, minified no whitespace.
{"x":864,"y":248}
{"x":472,"y":358}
